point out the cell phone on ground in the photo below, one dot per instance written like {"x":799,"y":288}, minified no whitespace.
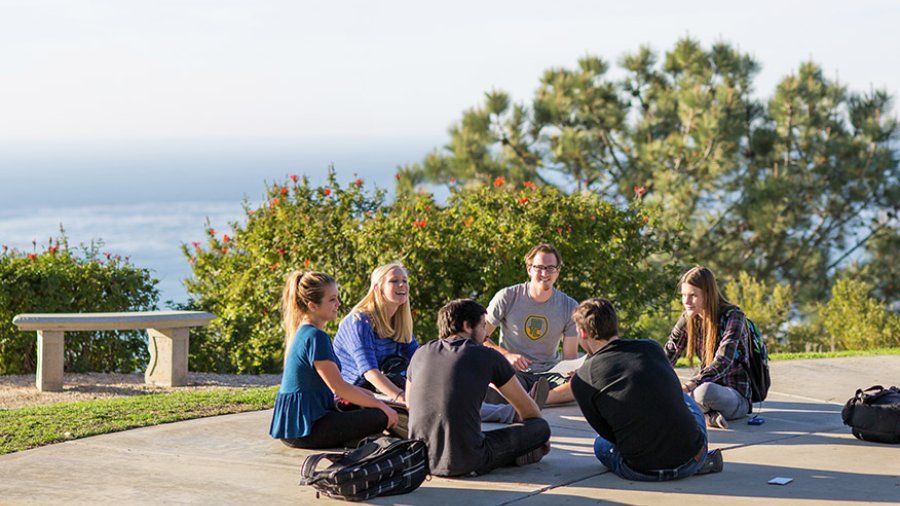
{"x":756,"y":420}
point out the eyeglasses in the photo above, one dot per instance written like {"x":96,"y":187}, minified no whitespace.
{"x":549,"y":269}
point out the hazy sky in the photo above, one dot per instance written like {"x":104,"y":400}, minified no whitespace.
{"x":92,"y":70}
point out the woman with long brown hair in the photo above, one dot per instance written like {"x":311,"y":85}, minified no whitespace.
{"x":715,"y":331}
{"x":305,"y":415}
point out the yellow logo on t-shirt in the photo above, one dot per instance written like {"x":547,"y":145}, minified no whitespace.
{"x":536,"y":326}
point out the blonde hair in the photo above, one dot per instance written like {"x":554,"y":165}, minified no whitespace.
{"x":707,"y":321}
{"x":399,"y":327}
{"x":300,"y":289}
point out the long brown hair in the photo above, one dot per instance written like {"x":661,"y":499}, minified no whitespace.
{"x":707,"y":322}
{"x":300,"y":288}
{"x":398,"y":327}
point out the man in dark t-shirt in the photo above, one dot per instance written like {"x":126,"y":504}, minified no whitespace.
{"x":445,"y":385}
{"x":649,"y":430}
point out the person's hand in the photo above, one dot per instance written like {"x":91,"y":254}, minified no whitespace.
{"x":392,"y":416}
{"x":518,"y":362}
{"x":571,"y":373}
{"x":688,"y":387}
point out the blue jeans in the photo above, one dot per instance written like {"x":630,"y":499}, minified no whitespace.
{"x":611,"y":458}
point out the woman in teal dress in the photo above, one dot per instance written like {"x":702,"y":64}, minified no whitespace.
{"x":305,"y":414}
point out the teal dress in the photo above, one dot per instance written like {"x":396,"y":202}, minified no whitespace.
{"x":303,"y":397}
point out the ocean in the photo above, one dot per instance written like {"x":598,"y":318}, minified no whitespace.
{"x":144,"y":200}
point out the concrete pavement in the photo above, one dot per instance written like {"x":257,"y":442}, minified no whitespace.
{"x":231,"y":460}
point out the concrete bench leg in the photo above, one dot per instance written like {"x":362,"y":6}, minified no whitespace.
{"x":168,"y":357}
{"x":50,"y":348}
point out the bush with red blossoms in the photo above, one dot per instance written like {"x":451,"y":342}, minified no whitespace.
{"x":470,"y":246}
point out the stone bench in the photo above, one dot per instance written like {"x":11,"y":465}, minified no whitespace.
{"x":168,"y":332}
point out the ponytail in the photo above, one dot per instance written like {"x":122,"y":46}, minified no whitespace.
{"x":300,"y":289}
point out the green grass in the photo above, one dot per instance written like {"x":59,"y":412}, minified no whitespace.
{"x":834,"y":354}
{"x":24,"y":428}
{"x":682,"y":362}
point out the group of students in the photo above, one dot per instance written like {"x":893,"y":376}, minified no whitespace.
{"x":650,"y":426}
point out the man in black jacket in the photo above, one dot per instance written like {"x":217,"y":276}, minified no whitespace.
{"x":649,"y":430}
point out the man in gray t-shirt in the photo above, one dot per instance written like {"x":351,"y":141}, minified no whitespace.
{"x":533,"y":318}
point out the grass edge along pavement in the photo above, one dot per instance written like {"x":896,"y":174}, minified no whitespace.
{"x":30,"y":427}
{"x":810,"y":355}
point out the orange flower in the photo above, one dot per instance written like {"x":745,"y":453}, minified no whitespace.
{"x":281,"y":251}
{"x":274,"y":202}
{"x":273,"y":266}
{"x":639,"y":191}
{"x":212,"y":232}
{"x":523,"y":200}
{"x":294,"y":177}
{"x":306,"y":263}
{"x":499,"y":182}
{"x":32,"y":256}
{"x":420,"y":223}
{"x":284,"y":191}
{"x":224,"y":251}
{"x":358,"y":182}
{"x":529,"y":185}
{"x":327,"y":191}
{"x":196,"y":244}
{"x":225,"y":238}
{"x":468,"y":221}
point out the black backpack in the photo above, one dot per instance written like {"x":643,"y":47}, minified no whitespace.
{"x":760,"y":380}
{"x":382,"y":466}
{"x":874,"y":414}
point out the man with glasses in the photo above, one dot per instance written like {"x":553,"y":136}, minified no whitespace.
{"x":533,"y":318}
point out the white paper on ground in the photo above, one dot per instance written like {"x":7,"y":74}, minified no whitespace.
{"x":566,"y":366}
{"x":780,"y":480}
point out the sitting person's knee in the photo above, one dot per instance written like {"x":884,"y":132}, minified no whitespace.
{"x":702,"y":393}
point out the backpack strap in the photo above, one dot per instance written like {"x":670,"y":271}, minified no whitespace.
{"x":308,"y":473}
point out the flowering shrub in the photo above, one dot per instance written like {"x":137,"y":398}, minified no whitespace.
{"x":470,"y":247}
{"x":59,"y":279}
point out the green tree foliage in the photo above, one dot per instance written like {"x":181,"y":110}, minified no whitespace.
{"x":766,"y":305}
{"x":783,"y":189}
{"x":857,"y":321}
{"x":469,"y":247}
{"x":60,"y":279}
{"x":878,"y":266}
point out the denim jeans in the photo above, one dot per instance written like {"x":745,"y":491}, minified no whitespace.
{"x":503,"y":446}
{"x":498,"y":413}
{"x":610,"y":457}
{"x":725,"y":400}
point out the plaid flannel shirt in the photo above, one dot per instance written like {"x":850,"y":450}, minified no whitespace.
{"x":731,"y":364}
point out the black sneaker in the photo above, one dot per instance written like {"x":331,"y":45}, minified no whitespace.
{"x":714,"y":463}
{"x":534,"y":456}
